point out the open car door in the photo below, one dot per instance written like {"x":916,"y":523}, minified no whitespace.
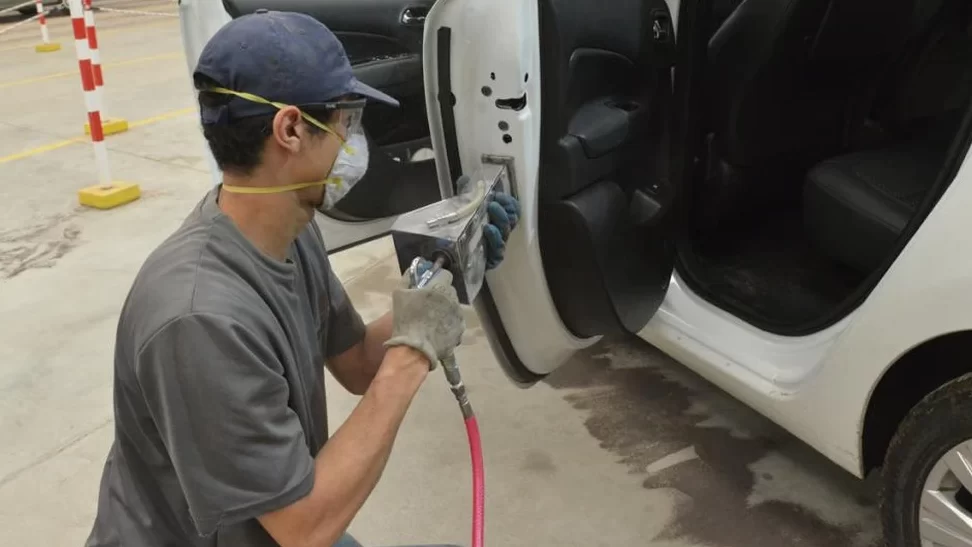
{"x":579,"y":96}
{"x":383,"y":39}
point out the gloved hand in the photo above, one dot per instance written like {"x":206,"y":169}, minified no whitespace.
{"x":427,"y":319}
{"x":504,"y":213}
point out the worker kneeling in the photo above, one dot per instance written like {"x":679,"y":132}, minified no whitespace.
{"x":221,"y":434}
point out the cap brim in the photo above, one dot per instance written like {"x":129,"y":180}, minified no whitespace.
{"x":372,"y":93}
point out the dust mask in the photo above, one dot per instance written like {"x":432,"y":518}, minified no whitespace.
{"x":349,"y":168}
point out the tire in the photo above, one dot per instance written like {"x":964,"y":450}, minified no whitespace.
{"x":935,"y":426}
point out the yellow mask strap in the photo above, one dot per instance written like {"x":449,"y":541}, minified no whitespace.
{"x":278,"y":189}
{"x":257,"y":99}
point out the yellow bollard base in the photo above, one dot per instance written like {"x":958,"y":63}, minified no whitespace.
{"x":48,"y":47}
{"x":109,"y":197}
{"x":109,"y":126}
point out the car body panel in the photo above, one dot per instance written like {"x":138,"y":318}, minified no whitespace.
{"x":496,"y":55}
{"x":816,"y":386}
{"x":10,"y":4}
{"x":501,"y":38}
{"x":819,"y":386}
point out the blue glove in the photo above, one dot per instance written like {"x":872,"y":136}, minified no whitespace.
{"x":504,"y":213}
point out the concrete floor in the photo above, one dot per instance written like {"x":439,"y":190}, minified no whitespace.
{"x":621,"y":447}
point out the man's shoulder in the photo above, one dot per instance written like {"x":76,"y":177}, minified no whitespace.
{"x":186,"y":275}
{"x":164,"y":286}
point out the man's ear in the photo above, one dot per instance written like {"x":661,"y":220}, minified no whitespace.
{"x":287,"y":130}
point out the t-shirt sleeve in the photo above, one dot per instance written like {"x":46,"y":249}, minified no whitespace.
{"x":218,"y":396}
{"x":343,"y":324}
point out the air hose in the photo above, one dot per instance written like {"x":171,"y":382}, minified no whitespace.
{"x":453,"y":377}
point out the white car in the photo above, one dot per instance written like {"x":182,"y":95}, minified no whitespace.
{"x":29,"y":9}
{"x":780,"y":199}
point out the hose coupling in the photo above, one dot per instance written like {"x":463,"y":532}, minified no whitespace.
{"x":454,"y":379}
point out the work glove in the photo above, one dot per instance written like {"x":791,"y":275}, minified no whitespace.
{"x":504,"y":213}
{"x":427,"y":319}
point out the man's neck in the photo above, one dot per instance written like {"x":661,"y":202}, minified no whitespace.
{"x":270,"y":221}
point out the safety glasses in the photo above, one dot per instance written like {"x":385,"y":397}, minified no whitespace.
{"x":348,"y":114}
{"x":351,"y":111}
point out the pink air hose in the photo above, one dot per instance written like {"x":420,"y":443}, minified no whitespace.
{"x":479,"y":488}
{"x":475,"y":449}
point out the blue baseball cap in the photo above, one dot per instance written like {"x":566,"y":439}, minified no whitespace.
{"x":286,"y":57}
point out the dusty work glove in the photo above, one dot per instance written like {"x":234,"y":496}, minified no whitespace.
{"x":427,"y":319}
{"x":504,"y":213}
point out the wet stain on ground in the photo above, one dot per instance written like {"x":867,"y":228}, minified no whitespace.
{"x":675,"y":431}
{"x":539,"y":462}
{"x":38,"y":245}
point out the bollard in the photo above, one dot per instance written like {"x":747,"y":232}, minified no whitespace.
{"x":109,"y":126}
{"x":46,"y":45}
{"x":106,"y":194}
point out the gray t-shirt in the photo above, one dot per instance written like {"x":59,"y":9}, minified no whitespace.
{"x":219,"y":386}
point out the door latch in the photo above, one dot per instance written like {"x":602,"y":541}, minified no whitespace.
{"x":414,"y":16}
{"x":661,"y":28}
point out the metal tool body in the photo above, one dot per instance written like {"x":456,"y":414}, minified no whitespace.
{"x":453,"y":228}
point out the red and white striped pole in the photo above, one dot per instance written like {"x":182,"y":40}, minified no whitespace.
{"x":106,"y":194}
{"x":46,"y":45}
{"x":93,"y":44}
{"x":110,"y":126}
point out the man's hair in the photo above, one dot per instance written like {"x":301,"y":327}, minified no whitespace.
{"x":237,"y":146}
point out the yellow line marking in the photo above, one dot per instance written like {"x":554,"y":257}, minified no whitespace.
{"x":41,"y":149}
{"x":68,"y":37}
{"x":163,"y":117}
{"x":84,"y":138}
{"x":56,"y":75}
{"x":101,"y":33}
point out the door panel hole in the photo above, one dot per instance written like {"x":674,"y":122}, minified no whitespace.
{"x":492,"y":76}
{"x":487,"y":91}
{"x":526,"y":77}
{"x":504,"y":126}
{"x":507,"y":139}
{"x":516,"y":103}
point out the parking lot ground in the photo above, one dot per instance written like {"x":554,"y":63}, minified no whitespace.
{"x":622,"y":447}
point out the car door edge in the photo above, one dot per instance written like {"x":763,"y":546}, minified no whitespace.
{"x":497,"y":57}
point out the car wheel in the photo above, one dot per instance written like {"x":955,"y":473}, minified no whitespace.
{"x":926,"y":497}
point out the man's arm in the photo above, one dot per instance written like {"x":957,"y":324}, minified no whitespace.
{"x":356,"y":367}
{"x":350,"y":464}
{"x":428,"y":325}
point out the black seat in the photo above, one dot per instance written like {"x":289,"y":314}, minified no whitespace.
{"x":781,"y":78}
{"x":782,"y":72}
{"x":856,"y":205}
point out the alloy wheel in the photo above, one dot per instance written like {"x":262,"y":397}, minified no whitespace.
{"x":945,"y":515}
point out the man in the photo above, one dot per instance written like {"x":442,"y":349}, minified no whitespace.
{"x":220,"y":415}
